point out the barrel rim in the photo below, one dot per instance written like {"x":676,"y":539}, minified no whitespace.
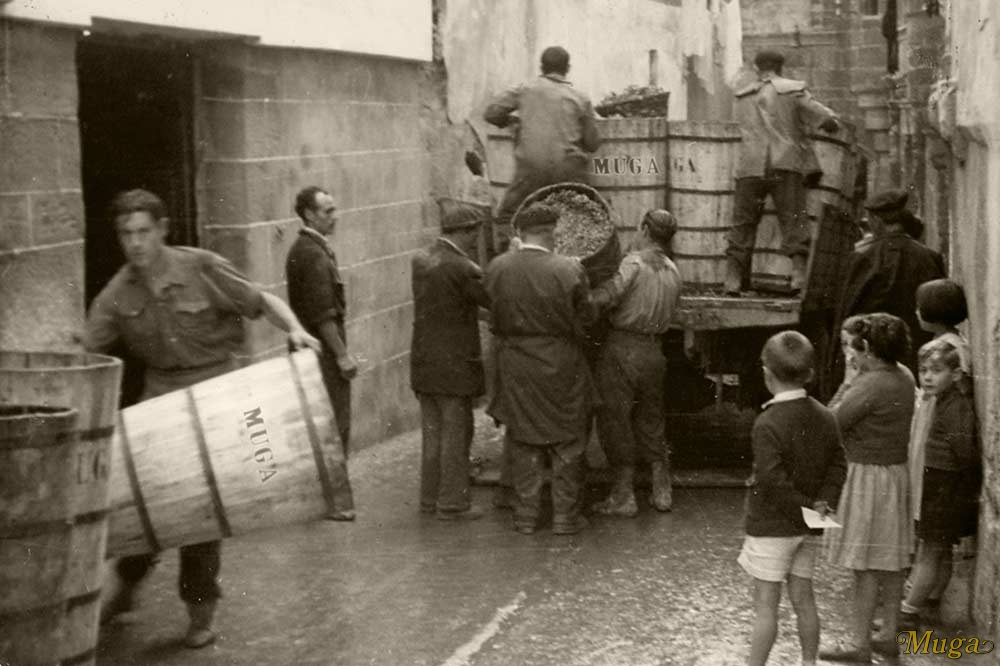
{"x":99,"y":360}
{"x":54,"y":412}
{"x":543,"y":192}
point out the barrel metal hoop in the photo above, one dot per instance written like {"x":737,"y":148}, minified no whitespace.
{"x":62,"y":606}
{"x":94,"y":434}
{"x":716,"y":230}
{"x":206,"y":466}
{"x":687,"y":190}
{"x":34,"y":529}
{"x":83,"y":599}
{"x":827,"y":188}
{"x":623,"y":188}
{"x":324,"y":476}
{"x":680,"y":255}
{"x":706,"y":139}
{"x":634,"y":139}
{"x":133,"y":482}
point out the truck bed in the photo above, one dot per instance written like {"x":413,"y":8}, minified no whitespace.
{"x":711,"y":312}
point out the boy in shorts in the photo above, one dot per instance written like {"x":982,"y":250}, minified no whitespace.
{"x":798,"y":461}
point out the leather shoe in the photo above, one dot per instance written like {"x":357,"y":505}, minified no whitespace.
{"x":886,"y":647}
{"x":568,"y":528}
{"x":341,"y":516}
{"x":472,"y":513}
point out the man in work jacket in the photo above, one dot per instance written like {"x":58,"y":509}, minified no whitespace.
{"x":555,"y":134}
{"x":316,"y":294}
{"x":775,"y":115}
{"x":180,"y":310}
{"x":543,"y":391}
{"x":641,"y":299}
{"x":446,"y":365}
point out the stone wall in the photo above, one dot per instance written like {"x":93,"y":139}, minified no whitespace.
{"x":975,"y":246}
{"x":272,"y":121}
{"x":41,"y":204}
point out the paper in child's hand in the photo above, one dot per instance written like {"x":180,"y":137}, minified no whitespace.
{"x":815,"y":521}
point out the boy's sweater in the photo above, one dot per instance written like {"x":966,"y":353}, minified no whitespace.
{"x":798,"y":459}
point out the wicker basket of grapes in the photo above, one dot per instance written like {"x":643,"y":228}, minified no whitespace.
{"x":585,"y":229}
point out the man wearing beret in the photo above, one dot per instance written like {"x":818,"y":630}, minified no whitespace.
{"x":883,"y":274}
{"x":631,"y":370}
{"x":543,"y":394}
{"x":316,"y":294}
{"x":775,"y":115}
{"x":446,"y":365}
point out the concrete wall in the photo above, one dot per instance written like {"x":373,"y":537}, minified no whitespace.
{"x":490,"y":45}
{"x":41,"y":205}
{"x":275,"y":120}
{"x":975,"y":240}
{"x":375,"y":27}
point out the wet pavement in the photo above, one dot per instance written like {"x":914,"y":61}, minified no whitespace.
{"x":397,"y":588}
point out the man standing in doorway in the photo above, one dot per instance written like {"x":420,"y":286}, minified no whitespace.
{"x":641,"y":299}
{"x":554,"y":132}
{"x":775,"y":115}
{"x":543,"y":396}
{"x":316,"y":294}
{"x":446,"y":365}
{"x":180,"y":310}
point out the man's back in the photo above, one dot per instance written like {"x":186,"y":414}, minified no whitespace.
{"x":445,"y":356}
{"x":556,"y":130}
{"x":537,"y":293}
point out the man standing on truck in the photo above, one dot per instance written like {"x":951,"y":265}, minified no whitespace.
{"x":554,"y":133}
{"x":775,"y":115}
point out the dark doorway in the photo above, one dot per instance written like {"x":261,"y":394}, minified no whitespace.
{"x":136,"y":130}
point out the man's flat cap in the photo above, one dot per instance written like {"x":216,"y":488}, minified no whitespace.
{"x":887,"y":201}
{"x":537,"y":215}
{"x":456,"y":214}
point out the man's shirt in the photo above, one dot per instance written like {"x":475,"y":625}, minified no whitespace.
{"x":643,"y":293}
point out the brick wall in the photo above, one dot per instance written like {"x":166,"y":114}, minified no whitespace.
{"x":272,"y":121}
{"x":41,"y":205}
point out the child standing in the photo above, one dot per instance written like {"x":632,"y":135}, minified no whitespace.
{"x":874,"y":414}
{"x":797,"y":461}
{"x":950,"y":458}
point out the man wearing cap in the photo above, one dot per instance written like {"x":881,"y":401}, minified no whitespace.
{"x":543,"y":395}
{"x":775,"y":115}
{"x":316,"y":294}
{"x":181,"y":311}
{"x":640,"y":300}
{"x":555,"y":133}
{"x":883,"y":275}
{"x":446,"y":365}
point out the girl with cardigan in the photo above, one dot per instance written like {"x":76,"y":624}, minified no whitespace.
{"x":873,"y":411}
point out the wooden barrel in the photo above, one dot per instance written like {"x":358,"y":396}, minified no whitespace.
{"x":702,"y":160}
{"x":629,"y":168}
{"x":835,"y":153}
{"x":247,"y":450}
{"x":88,"y":383}
{"x":50,"y":545}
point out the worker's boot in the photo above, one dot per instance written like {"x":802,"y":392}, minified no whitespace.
{"x":200,"y":632}
{"x":800,"y":263}
{"x":662,"y":497}
{"x":733,"y":284}
{"x":621,"y":501}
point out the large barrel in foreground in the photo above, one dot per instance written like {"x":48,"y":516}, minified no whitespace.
{"x":50,"y":546}
{"x":88,"y":383}
{"x":244,"y":451}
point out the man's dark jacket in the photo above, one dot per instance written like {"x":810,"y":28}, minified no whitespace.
{"x":446,"y":357}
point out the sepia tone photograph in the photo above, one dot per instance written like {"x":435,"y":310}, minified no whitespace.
{"x":499,"y":332}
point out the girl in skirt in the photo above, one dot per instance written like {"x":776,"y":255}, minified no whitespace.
{"x":876,"y":533}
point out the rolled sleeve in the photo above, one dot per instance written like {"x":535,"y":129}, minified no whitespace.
{"x":499,"y":110}
{"x":609,"y":294}
{"x":231,"y":289}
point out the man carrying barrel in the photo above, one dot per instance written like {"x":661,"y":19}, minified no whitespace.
{"x":775,"y":115}
{"x":640,"y":300}
{"x":446,"y":364}
{"x":316,"y":294}
{"x":543,"y":391}
{"x":554,"y":131}
{"x":181,"y":311}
